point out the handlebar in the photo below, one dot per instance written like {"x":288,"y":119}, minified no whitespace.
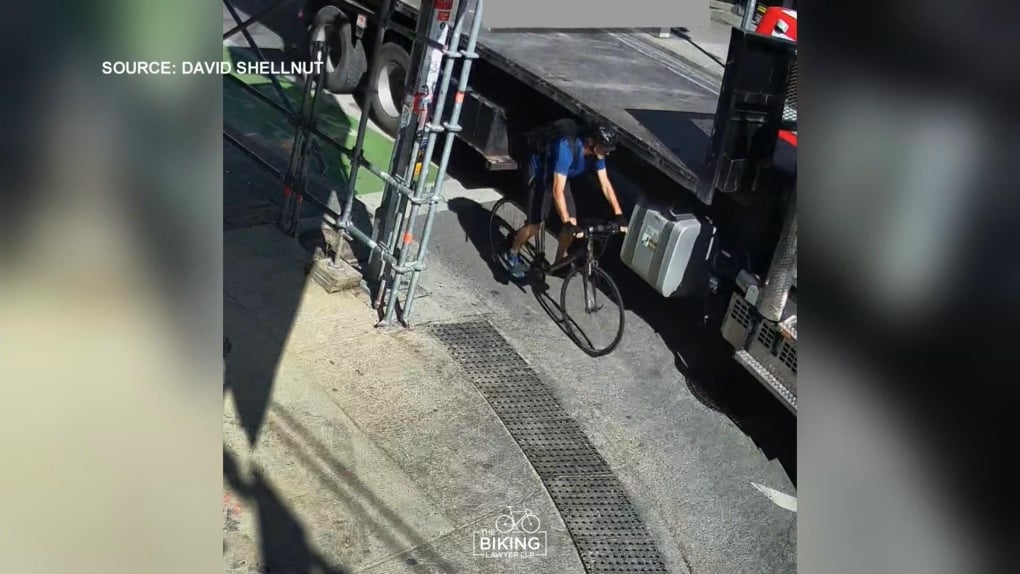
{"x":599,"y":229}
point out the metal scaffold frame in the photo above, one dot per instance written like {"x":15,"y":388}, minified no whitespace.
{"x":391,"y":263}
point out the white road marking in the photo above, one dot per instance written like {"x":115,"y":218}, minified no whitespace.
{"x":781,"y":500}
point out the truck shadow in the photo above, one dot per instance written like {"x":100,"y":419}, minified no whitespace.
{"x":706,"y":362}
{"x":701,"y":356}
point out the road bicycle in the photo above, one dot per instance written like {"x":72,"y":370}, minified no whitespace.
{"x":597,"y":299}
{"x":525,"y":521}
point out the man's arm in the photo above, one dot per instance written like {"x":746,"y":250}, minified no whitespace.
{"x":608,"y":191}
{"x":564,"y":157}
{"x":559,"y":184}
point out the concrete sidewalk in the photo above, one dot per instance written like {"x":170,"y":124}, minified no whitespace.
{"x":353,"y":449}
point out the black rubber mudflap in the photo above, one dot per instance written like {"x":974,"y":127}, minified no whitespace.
{"x":603,"y":524}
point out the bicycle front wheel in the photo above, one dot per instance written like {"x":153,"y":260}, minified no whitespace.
{"x":592,"y":310}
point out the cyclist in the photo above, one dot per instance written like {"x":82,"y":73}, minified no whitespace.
{"x":565,"y":160}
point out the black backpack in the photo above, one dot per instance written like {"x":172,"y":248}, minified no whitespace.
{"x":538,"y":139}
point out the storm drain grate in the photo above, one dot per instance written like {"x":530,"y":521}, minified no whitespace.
{"x":603,"y":524}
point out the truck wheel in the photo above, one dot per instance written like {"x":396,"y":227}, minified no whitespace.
{"x":346,"y":61}
{"x":388,"y":86}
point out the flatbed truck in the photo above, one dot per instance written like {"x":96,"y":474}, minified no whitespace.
{"x":716,"y":182}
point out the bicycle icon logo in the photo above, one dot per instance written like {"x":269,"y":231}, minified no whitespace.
{"x":517,"y":535}
{"x":518,"y":521}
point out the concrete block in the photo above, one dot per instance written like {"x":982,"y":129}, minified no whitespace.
{"x":335,"y":277}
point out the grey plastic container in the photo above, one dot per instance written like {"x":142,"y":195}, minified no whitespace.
{"x":671,"y":253}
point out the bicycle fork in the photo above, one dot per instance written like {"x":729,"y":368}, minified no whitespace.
{"x":590,"y":291}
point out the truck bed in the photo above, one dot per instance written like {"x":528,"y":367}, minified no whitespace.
{"x":661,"y":105}
{"x":664,"y":112}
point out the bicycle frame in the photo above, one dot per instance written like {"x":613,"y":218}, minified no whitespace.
{"x":590,"y":259}
{"x":540,"y":264}
{"x":595,"y":282}
{"x":591,"y":262}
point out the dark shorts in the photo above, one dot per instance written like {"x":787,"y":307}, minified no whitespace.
{"x":541,"y":199}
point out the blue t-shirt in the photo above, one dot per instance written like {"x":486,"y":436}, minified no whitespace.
{"x":565,"y":157}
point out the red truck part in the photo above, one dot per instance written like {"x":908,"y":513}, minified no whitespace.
{"x":780,"y":23}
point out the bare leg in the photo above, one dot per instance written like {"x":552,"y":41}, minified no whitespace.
{"x":522,"y":237}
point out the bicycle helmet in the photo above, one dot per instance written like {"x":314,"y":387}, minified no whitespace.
{"x":605,"y":137}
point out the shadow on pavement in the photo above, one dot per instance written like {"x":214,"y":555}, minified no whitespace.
{"x":284,"y":543}
{"x":253,"y":197}
{"x":346,"y":487}
{"x":550,"y":305}
{"x":255,"y":351}
{"x":475,"y":220}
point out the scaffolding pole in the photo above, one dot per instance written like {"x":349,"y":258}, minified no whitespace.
{"x":452,"y":127}
{"x":432,"y":29}
{"x":421,"y":121}
{"x":357,"y":154}
{"x":422,"y":155}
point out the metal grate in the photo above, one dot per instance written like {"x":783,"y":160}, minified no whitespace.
{"x":790,"y":109}
{"x":607,"y":532}
{"x":766,"y":336}
{"x":602,"y":522}
{"x":741,"y":312}
{"x":788,"y":355}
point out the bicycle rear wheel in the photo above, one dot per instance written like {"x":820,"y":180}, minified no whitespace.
{"x":505,"y":219}
{"x":592,"y":310}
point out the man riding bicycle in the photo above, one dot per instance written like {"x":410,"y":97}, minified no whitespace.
{"x":561,"y":162}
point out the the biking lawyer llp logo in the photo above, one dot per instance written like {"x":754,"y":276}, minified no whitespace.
{"x":517,"y":534}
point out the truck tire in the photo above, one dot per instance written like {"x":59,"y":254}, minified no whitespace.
{"x":346,"y":62}
{"x":388,"y":86}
